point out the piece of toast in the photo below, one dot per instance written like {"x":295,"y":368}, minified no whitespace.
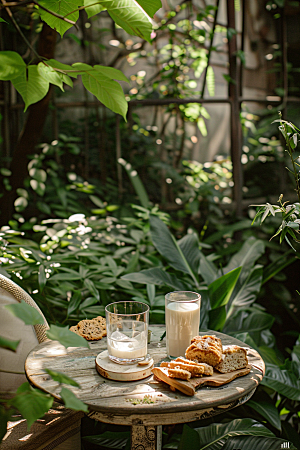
{"x":233,"y":358}
{"x":179,"y":373}
{"x":208,"y":370}
{"x":195,"y":370}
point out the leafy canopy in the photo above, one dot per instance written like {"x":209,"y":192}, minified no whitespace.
{"x":32,"y":80}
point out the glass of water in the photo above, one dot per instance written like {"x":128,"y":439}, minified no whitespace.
{"x":127,"y":331}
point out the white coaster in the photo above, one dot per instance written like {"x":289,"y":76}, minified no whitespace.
{"x":121,"y":372}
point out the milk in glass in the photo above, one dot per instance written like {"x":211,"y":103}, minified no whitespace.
{"x":182,"y":324}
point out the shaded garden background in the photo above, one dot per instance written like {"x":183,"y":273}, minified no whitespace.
{"x":82,"y":189}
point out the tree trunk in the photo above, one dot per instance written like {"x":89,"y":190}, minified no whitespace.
{"x":31,"y":133}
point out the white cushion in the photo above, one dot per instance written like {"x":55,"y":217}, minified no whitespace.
{"x":13,"y":328}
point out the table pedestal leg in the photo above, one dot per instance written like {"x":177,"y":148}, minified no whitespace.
{"x":146,"y":437}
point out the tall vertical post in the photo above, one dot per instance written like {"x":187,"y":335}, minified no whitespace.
{"x":235,"y":123}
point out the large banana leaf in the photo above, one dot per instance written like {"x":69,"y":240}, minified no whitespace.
{"x":262,"y":403}
{"x":255,"y":442}
{"x":167,"y":246}
{"x":283,"y":381}
{"x":248,"y":321}
{"x":109,"y":439}
{"x":207,"y":270}
{"x":251,"y":250}
{"x":189,"y":246}
{"x":216,"y":433}
{"x":245,"y":292}
{"x":221,"y":289}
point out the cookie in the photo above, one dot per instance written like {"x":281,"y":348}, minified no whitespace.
{"x":91,"y":329}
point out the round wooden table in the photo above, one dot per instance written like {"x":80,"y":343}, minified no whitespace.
{"x":146,"y":404}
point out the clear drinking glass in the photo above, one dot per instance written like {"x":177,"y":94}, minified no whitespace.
{"x":127,"y":331}
{"x":182,"y":320}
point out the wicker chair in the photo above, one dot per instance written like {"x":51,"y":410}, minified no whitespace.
{"x":59,"y":429}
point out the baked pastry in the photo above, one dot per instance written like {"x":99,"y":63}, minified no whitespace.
{"x":195,"y":370}
{"x":179,"y":373}
{"x":205,"y":349}
{"x":233,"y":358}
{"x":91,"y":329}
{"x":207,"y":369}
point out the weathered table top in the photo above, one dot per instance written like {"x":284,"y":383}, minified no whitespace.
{"x":147,"y":401}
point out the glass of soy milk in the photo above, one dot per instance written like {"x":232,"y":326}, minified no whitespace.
{"x":182,"y":320}
{"x":127,"y":331}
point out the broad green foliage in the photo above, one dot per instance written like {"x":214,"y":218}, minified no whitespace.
{"x":71,"y":401}
{"x":32,"y":403}
{"x":11,"y":65}
{"x":66,"y":337}
{"x":75,"y":265}
{"x":32,"y":80}
{"x":66,"y":9}
{"x":290,"y":213}
{"x":100,"y":83}
{"x":25,"y":312}
{"x":9,"y":344}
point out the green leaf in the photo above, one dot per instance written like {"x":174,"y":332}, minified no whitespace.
{"x":106,"y":90}
{"x":91,"y":288}
{"x":71,"y":401}
{"x":267,"y":410}
{"x":189,"y":439}
{"x":251,"y":250}
{"x":129,"y":16}
{"x":66,"y":337}
{"x":63,"y":8}
{"x":221,"y":289}
{"x":11,"y":65}
{"x":255,"y":321}
{"x":110,"y":439}
{"x":65,"y":70}
{"x":207,"y":269}
{"x":61,"y":378}
{"x":254,"y":442}
{"x":167,"y":246}
{"x":74,"y":302}
{"x":8,"y":344}
{"x":25,"y":312}
{"x":92,"y":7}
{"x":245,"y":294}
{"x":112,"y":73}
{"x":32,"y":403}
{"x":150,"y":6}
{"x":136,"y":183}
{"x":202,"y":126}
{"x":217,"y":318}
{"x":51,"y":75}
{"x":210,"y":81}
{"x":189,"y":246}
{"x":217,"y":432}
{"x":31,"y":86}
{"x":282,"y":381}
{"x":42,"y":277}
{"x":277,"y":266}
{"x":5,"y":416}
{"x":158,"y":277}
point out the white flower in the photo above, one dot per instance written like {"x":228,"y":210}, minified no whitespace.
{"x":76,"y":218}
